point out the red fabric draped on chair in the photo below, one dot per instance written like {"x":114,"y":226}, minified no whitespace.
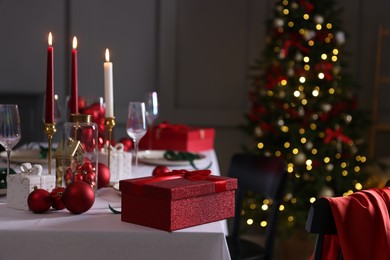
{"x":363,"y":226}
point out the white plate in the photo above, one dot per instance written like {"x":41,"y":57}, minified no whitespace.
{"x":25,"y":155}
{"x":116,"y":188}
{"x":156,"y":157}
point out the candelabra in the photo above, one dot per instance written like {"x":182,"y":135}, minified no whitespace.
{"x":109,"y":123}
{"x":50,"y":130}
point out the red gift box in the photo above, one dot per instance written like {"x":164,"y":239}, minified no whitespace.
{"x":179,"y":138}
{"x":178,"y":199}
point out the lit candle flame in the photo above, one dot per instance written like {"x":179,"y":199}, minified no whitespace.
{"x":74,"y":42}
{"x":107,"y":55}
{"x":50,"y":39}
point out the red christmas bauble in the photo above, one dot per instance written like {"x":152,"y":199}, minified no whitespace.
{"x":159,"y":170}
{"x":103,"y":175}
{"x":39,"y":201}
{"x":56,"y":198}
{"x":78,"y":197}
{"x":127,"y":143}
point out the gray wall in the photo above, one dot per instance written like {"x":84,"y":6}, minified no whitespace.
{"x":195,"y":53}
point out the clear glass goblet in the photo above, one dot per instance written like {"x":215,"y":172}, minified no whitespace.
{"x":151,"y":106}
{"x":136,"y":125}
{"x":10,"y":131}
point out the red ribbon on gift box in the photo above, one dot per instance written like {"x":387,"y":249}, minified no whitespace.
{"x":198,"y":175}
{"x":177,"y":128}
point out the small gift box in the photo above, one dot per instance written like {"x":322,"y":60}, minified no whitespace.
{"x":178,"y":137}
{"x":177,"y":199}
{"x":120,"y":162}
{"x":20,"y":185}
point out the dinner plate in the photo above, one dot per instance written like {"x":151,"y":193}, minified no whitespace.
{"x":116,"y":188}
{"x":156,"y":157}
{"x":25,"y":155}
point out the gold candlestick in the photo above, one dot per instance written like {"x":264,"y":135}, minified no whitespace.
{"x":50,"y":130}
{"x":109,"y":123}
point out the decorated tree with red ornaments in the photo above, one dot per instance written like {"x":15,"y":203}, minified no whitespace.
{"x":303,"y":108}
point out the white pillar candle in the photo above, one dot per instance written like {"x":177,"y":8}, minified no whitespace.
{"x":108,"y":86}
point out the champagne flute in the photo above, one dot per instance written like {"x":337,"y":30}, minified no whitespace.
{"x":136,"y":125}
{"x":10,"y":131}
{"x":151,"y":112}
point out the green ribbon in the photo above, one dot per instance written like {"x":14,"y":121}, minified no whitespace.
{"x":113,"y":210}
{"x":3,"y":177}
{"x":185,"y":156}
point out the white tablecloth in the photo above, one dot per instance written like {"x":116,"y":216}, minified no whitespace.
{"x":99,"y":234}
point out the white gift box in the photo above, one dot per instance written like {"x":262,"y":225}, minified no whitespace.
{"x":20,"y":185}
{"x":120,"y":162}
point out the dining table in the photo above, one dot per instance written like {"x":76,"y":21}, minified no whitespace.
{"x":100,"y":234}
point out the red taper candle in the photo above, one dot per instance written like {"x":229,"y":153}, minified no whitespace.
{"x":49,"y":113}
{"x":74,"y":103}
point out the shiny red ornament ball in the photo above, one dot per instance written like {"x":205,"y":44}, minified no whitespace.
{"x":127,"y":143}
{"x":78,"y":197}
{"x":159,"y":170}
{"x":39,"y":201}
{"x":103,"y":176}
{"x":56,"y":198}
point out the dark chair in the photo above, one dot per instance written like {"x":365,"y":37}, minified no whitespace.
{"x":30,"y":112}
{"x":265,"y":176}
{"x":320,"y":221}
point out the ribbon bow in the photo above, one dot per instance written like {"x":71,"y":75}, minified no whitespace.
{"x":119,"y":147}
{"x":175,"y":127}
{"x":197,"y":175}
{"x":335,"y":134}
{"x":27,"y":169}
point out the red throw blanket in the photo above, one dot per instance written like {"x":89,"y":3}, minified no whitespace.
{"x":363,"y":226}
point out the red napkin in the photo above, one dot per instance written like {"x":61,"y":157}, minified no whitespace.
{"x":363,"y":226}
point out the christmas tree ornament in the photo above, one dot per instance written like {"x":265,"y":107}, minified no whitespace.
{"x":103,"y":176}
{"x":39,"y":201}
{"x":319,"y":19}
{"x":56,"y":198}
{"x":278,"y":22}
{"x":300,"y":158}
{"x":78,"y":197}
{"x":340,"y":37}
{"x":127,"y":143}
{"x":160,"y":170}
{"x":326,"y":192}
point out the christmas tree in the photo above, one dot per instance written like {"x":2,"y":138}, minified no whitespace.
{"x":303,"y":108}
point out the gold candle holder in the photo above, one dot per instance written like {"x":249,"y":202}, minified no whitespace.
{"x":50,"y":130}
{"x":109,"y":123}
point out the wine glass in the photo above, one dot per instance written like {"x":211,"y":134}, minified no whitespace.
{"x":151,"y":106}
{"x":10,"y":131}
{"x":136,"y":125}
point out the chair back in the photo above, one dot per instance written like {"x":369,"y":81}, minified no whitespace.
{"x":265,"y":176}
{"x":320,"y":221}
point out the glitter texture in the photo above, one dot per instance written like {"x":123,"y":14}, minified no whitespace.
{"x":175,"y":204}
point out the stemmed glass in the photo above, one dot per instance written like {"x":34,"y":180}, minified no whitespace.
{"x":10,"y":131}
{"x":136,"y":125}
{"x":151,"y":103}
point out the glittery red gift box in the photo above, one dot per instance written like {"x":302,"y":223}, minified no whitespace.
{"x":175,"y":203}
{"x":179,"y":138}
